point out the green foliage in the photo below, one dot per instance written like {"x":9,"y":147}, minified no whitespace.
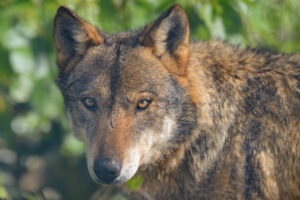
{"x":35,"y":143}
{"x":135,"y":182}
{"x":3,"y":193}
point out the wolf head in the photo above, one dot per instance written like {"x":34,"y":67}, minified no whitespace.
{"x":121,"y":91}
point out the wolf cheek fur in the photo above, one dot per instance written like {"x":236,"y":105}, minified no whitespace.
{"x":198,"y":120}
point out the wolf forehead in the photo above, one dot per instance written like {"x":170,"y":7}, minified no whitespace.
{"x":116,"y":64}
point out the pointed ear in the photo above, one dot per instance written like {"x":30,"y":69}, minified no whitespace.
{"x":72,"y":37}
{"x":168,"y":37}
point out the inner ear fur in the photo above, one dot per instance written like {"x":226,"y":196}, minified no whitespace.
{"x":72,"y":37}
{"x":168,"y":37}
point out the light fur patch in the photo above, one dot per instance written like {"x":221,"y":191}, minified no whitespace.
{"x":152,"y":143}
{"x":160,"y":37}
{"x":270,"y":188}
{"x":129,"y":167}
{"x":90,"y":163}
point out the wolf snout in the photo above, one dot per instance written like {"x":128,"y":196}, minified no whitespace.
{"x":107,"y":170}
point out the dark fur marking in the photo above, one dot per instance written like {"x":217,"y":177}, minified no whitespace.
{"x":258,"y":99}
{"x":175,"y":33}
{"x":267,"y":52}
{"x":67,"y":34}
{"x":187,"y":120}
{"x":126,"y":40}
{"x":253,"y":133}
{"x":293,"y":63}
{"x":297,"y":77}
{"x":115,"y":75}
{"x":216,"y":74}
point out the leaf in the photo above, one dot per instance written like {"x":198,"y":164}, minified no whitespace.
{"x":135,"y":182}
{"x":3,"y":193}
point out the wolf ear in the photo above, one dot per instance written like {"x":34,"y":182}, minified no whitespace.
{"x":168,"y":37}
{"x":72,"y":37}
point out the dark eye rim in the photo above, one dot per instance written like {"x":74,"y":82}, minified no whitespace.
{"x":149,"y":101}
{"x":89,"y":107}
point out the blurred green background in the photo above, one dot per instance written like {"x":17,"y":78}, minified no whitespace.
{"x":39,"y":158}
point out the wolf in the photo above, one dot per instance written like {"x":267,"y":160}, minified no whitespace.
{"x":196,"y":120}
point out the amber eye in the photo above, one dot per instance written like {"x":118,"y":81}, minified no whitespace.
{"x":143,"y":104}
{"x":89,"y":103}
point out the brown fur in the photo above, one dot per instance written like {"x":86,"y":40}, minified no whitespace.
{"x":274,"y":165}
{"x":223,"y":123}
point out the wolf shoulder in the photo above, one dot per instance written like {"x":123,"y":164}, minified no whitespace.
{"x":259,"y":91}
{"x":245,"y":67}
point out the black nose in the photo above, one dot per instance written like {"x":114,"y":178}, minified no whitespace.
{"x":107,"y":170}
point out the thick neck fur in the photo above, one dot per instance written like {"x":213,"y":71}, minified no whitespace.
{"x":190,"y":161}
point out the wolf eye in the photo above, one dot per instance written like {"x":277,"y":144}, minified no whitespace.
{"x":89,"y":103}
{"x":143,"y":104}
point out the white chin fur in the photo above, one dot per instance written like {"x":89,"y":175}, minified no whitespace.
{"x":154,"y":143}
{"x":129,"y":167}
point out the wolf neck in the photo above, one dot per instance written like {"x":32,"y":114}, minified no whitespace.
{"x":210,"y":91}
{"x":211,"y":99}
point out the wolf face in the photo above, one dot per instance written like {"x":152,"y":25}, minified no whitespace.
{"x":120,"y":93}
